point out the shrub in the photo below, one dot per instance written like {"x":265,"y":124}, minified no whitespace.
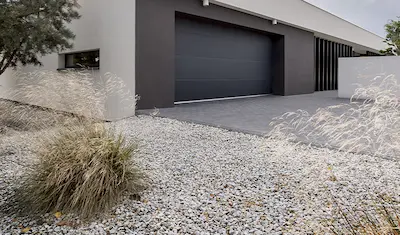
{"x":83,"y":169}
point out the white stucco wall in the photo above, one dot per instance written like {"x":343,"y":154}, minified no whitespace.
{"x":301,"y":14}
{"x":117,"y":53}
{"x":104,"y":26}
{"x":363,"y":71}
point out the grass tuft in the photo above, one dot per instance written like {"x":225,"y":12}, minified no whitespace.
{"x":370,"y":123}
{"x":43,"y":99}
{"x":382,"y":217}
{"x":82,"y":169}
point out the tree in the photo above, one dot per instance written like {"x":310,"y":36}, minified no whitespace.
{"x":33,"y":28}
{"x":392,"y":37}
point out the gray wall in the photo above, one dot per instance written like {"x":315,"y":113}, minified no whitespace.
{"x":293,"y":58}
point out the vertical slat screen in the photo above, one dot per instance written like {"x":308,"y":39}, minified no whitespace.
{"x":321,"y":65}
{"x":326,"y":63}
{"x":316,"y":71}
{"x":334,"y":69}
{"x":331,"y":59}
{"x":324,"y":58}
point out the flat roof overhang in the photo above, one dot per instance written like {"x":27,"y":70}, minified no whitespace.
{"x":303,"y":15}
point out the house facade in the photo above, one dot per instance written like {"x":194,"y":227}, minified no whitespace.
{"x":169,"y":51}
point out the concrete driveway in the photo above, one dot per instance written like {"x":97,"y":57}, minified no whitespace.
{"x":248,"y":115}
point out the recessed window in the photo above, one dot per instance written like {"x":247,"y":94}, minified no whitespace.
{"x":87,"y":59}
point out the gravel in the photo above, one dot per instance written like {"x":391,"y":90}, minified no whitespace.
{"x":207,"y":180}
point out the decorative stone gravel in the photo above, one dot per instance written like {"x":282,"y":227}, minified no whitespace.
{"x":207,"y":180}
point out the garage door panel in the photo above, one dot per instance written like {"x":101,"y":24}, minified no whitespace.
{"x":217,"y":47}
{"x":220,"y":89}
{"x":215,"y":60}
{"x":210,"y":68}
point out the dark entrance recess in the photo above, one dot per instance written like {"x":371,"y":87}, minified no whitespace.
{"x":217,"y":60}
{"x":367,"y":54}
{"x":370,"y":53}
{"x":326,"y":63}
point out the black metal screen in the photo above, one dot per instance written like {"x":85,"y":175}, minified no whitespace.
{"x":326,"y":63}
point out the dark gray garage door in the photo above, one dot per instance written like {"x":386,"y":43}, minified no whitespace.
{"x":216,"y":60}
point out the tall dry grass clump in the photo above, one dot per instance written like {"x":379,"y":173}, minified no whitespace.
{"x":380,"y":218}
{"x":370,"y":123}
{"x":83,"y":165}
{"x":60,"y":98}
{"x":45,"y":99}
{"x":82,"y":169}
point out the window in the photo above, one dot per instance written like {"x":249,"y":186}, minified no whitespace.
{"x":87,"y":59}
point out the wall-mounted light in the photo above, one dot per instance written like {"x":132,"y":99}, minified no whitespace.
{"x":274,"y":22}
{"x":206,"y":3}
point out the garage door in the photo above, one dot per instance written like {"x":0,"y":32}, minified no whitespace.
{"x":215,"y":60}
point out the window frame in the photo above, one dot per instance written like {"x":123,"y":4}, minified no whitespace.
{"x":66,"y":66}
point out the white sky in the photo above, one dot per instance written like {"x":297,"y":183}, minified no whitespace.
{"x":371,"y":15}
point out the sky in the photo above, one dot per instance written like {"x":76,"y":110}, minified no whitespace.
{"x":371,"y":15}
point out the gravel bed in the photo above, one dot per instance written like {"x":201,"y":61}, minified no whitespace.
{"x":207,"y":180}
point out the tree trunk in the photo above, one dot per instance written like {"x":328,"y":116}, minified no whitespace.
{"x":9,"y":60}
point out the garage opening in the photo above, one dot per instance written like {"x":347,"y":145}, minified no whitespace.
{"x":219,"y":60}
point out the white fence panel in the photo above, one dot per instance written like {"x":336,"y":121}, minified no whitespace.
{"x":363,"y":71}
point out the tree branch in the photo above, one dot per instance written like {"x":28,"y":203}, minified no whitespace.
{"x":2,"y":61}
{"x":9,"y":61}
{"x":31,"y":13}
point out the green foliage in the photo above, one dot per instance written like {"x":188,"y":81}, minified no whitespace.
{"x":392,"y":37}
{"x":84,"y":169}
{"x":32,"y":28}
{"x":388,"y":51}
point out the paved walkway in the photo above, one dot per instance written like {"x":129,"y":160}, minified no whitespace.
{"x":249,"y":115}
